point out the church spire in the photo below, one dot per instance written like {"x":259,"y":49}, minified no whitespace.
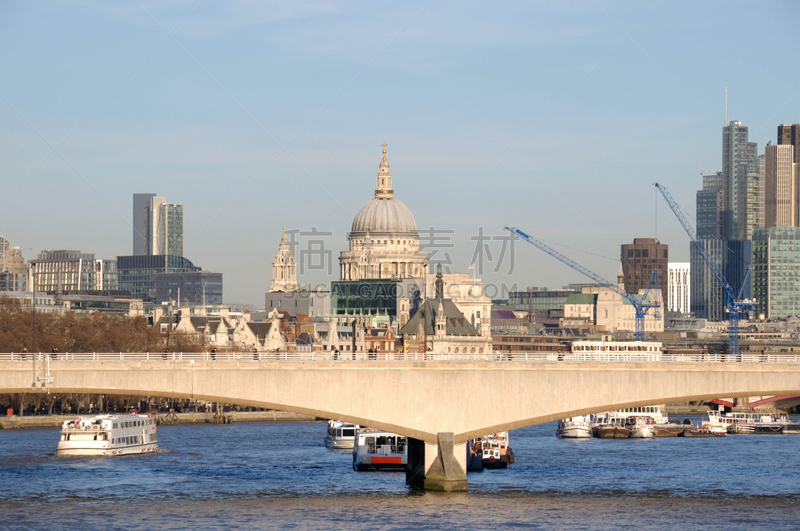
{"x":384,"y":187}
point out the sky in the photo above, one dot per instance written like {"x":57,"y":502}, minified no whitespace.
{"x":555,"y":117}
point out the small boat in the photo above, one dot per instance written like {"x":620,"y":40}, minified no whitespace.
{"x":474,"y":455}
{"x":496,"y":452}
{"x":108,"y":435}
{"x":610,"y":426}
{"x":341,"y":435}
{"x":574,"y":428}
{"x":639,"y":427}
{"x":379,"y":450}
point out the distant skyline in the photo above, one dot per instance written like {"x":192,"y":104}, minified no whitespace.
{"x":556,"y":118}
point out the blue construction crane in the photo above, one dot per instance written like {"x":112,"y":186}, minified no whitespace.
{"x":735,"y":304}
{"x":640,"y":305}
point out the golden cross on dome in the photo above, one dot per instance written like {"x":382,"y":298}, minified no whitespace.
{"x":384,"y":150}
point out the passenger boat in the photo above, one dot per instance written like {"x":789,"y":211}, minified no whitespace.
{"x":744,"y":422}
{"x":108,"y":435}
{"x":341,"y":435}
{"x":496,"y":452}
{"x":379,"y":450}
{"x":574,"y":428}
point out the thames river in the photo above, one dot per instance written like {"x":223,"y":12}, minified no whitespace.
{"x":280,"y":475}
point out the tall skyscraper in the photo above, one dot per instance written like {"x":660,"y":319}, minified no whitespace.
{"x":157,"y":226}
{"x":639,"y":259}
{"x":782,"y":208}
{"x":776,"y":259}
{"x":708,"y":299}
{"x":790,"y":134}
{"x":737,"y":157}
{"x":711,"y":207}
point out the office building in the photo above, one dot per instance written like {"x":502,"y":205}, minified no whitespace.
{"x":12,"y":267}
{"x":781,"y":198}
{"x":65,"y":271}
{"x":139,"y":273}
{"x":776,"y":271}
{"x":790,"y":135}
{"x":737,"y":157}
{"x":157,"y":226}
{"x":539,"y":302}
{"x":711,"y":207}
{"x":189,"y":288}
{"x":755,"y":214}
{"x":639,"y":259}
{"x":733,"y":258}
{"x":679,"y":287}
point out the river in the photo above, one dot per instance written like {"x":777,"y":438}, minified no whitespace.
{"x":280,"y":475}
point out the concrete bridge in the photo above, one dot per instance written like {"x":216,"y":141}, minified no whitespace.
{"x":439,"y":404}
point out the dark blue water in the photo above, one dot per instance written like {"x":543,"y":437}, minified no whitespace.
{"x":280,"y":475}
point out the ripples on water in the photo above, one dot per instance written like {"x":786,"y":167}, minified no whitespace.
{"x":245,"y":476}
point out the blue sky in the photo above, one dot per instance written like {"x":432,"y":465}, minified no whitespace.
{"x":556,"y":117}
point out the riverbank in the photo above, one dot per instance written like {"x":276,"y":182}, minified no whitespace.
{"x":55,"y":421}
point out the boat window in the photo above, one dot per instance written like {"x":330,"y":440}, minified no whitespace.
{"x":348,"y":433}
{"x":338,"y":433}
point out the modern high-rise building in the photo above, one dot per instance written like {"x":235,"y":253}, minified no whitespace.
{"x":711,"y":207}
{"x":157,"y":226}
{"x":64,"y":271}
{"x":679,"y":287}
{"x":782,"y":208}
{"x":639,"y":259}
{"x":789,"y":134}
{"x":776,"y":271}
{"x":755,"y":195}
{"x":737,"y":158}
{"x":733,"y":258}
{"x":139,"y":273}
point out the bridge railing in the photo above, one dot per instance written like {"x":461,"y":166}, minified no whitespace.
{"x":343,"y":357}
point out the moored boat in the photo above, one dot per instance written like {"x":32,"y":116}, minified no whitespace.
{"x":574,"y":428}
{"x":341,"y":435}
{"x":108,"y":435}
{"x":791,"y":427}
{"x":639,"y":427}
{"x":703,"y":431}
{"x":379,"y":450}
{"x":496,"y":452}
{"x":474,"y":455}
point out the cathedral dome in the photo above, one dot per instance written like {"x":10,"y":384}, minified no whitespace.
{"x":384,"y":214}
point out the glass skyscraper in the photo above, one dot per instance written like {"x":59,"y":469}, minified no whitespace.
{"x":776,"y":271}
{"x":157,"y":226}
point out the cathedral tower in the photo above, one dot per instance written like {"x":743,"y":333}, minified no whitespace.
{"x":284,"y":268}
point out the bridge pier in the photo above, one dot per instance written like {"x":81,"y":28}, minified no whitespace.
{"x":439,"y":467}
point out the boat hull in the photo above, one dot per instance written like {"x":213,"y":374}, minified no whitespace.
{"x":768,"y":429}
{"x":643,"y":432}
{"x":696,"y":432}
{"x":339,"y":444}
{"x":668,"y":431}
{"x":791,"y":428}
{"x":612,"y":432}
{"x":63,"y":451}
{"x":574,"y":432}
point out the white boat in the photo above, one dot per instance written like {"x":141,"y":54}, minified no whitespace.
{"x":496,"y":452}
{"x":108,"y":435}
{"x":742,"y":422}
{"x":574,"y":428}
{"x":379,"y":450}
{"x":341,"y":435}
{"x":640,"y":427}
{"x":640,"y":422}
